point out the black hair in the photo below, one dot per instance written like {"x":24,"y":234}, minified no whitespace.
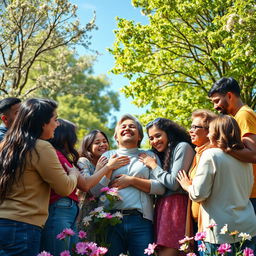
{"x":64,"y":140}
{"x":7,"y":103}
{"x":21,"y":139}
{"x":224,"y":85}
{"x":175,"y":135}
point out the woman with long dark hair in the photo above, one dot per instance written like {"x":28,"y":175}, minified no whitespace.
{"x":172,"y":145}
{"x":29,"y":168}
{"x":94,"y":144}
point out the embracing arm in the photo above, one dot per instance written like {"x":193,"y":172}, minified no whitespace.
{"x":248,"y":154}
{"x":182,"y":159}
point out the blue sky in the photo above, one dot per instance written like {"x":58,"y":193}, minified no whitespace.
{"x":103,"y":38}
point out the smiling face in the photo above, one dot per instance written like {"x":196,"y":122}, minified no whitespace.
{"x":99,"y":145}
{"x":198,"y":132}
{"x":48,"y":129}
{"x":127,"y":134}
{"x":158,"y":138}
{"x":221,"y":102}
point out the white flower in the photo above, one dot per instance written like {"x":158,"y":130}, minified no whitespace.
{"x":224,"y":229}
{"x":86,"y":220}
{"x":102,"y":215}
{"x":96,"y":210}
{"x":103,"y":198}
{"x":184,"y":247}
{"x":245,"y":236}
{"x":118,"y":215}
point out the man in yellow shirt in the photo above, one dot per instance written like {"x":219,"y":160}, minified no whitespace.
{"x":225,"y":95}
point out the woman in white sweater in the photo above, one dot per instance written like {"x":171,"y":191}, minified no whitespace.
{"x":222,"y":185}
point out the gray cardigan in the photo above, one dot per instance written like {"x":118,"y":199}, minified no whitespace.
{"x":181,"y":159}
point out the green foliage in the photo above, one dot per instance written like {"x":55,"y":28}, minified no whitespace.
{"x":186,"y":46}
{"x":30,"y":29}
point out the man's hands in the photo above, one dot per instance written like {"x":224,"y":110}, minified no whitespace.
{"x":149,"y":161}
{"x":122,"y":181}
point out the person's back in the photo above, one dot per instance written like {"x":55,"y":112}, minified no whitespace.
{"x":228,"y":191}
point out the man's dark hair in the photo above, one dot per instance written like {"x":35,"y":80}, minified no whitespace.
{"x":224,"y":85}
{"x":7,"y":103}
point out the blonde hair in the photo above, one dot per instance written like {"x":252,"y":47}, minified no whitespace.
{"x":206,"y":115}
{"x":225,"y":133}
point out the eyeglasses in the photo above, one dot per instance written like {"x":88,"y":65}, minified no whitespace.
{"x":194,"y":127}
{"x":151,"y":123}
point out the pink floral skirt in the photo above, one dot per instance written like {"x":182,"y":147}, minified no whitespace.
{"x":170,"y":220}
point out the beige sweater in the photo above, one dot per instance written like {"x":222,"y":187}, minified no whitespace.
{"x":28,"y":202}
{"x":223,"y":185}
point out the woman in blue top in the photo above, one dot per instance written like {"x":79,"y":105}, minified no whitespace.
{"x":172,"y":145}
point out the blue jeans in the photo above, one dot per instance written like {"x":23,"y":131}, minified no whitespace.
{"x":211,"y":248}
{"x":133,"y":235}
{"x":62,"y":214}
{"x":253,"y":201}
{"x":19,"y":238}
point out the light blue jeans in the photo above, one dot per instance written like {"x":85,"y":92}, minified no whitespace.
{"x":19,"y":238}
{"x":62,"y":214}
{"x":132,"y":235}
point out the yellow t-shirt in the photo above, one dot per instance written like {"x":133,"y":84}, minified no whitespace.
{"x":246,"y":119}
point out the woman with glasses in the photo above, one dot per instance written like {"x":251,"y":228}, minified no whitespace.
{"x":172,"y":145}
{"x":222,"y":184}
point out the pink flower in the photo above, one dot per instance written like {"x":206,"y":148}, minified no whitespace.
{"x":68,"y":232}
{"x":108,"y":215}
{"x":191,"y":254}
{"x":200,"y":236}
{"x":101,"y":251}
{"x":224,"y":248}
{"x":92,"y":198}
{"x":44,"y":253}
{"x":65,"y":253}
{"x":82,"y":234}
{"x":105,"y":189}
{"x":201,"y":247}
{"x":81,"y":248}
{"x":212,"y":225}
{"x":151,"y":249}
{"x":185,"y":239}
{"x":248,"y":252}
{"x":61,"y":236}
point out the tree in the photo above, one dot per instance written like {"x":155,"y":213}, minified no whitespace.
{"x":83,"y":98}
{"x":29,"y":29}
{"x":186,"y":46}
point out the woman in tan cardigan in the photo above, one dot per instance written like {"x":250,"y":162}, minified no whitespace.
{"x":29,"y":168}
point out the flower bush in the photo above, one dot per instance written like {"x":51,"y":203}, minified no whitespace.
{"x":223,"y":249}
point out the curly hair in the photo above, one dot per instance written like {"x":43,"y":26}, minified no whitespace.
{"x":175,"y":134}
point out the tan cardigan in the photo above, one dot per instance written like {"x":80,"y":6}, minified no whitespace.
{"x":29,"y":199}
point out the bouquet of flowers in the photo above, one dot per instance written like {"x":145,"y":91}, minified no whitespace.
{"x":102,"y":216}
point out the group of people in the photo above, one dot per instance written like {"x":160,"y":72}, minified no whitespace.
{"x":184,"y":184}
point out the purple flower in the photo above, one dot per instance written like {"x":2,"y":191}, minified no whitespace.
{"x":82,"y":234}
{"x":44,"y":253}
{"x":65,"y":253}
{"x":185,"y":239}
{"x":200,"y":236}
{"x":248,"y":252}
{"x":224,"y":248}
{"x":81,"y":248}
{"x":151,"y":249}
{"x":191,"y":254}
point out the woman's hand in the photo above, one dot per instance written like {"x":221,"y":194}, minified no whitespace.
{"x":72,"y":170}
{"x":121,"y":181}
{"x":101,"y":163}
{"x":183,"y":179}
{"x":116,"y":162}
{"x":149,"y":161}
